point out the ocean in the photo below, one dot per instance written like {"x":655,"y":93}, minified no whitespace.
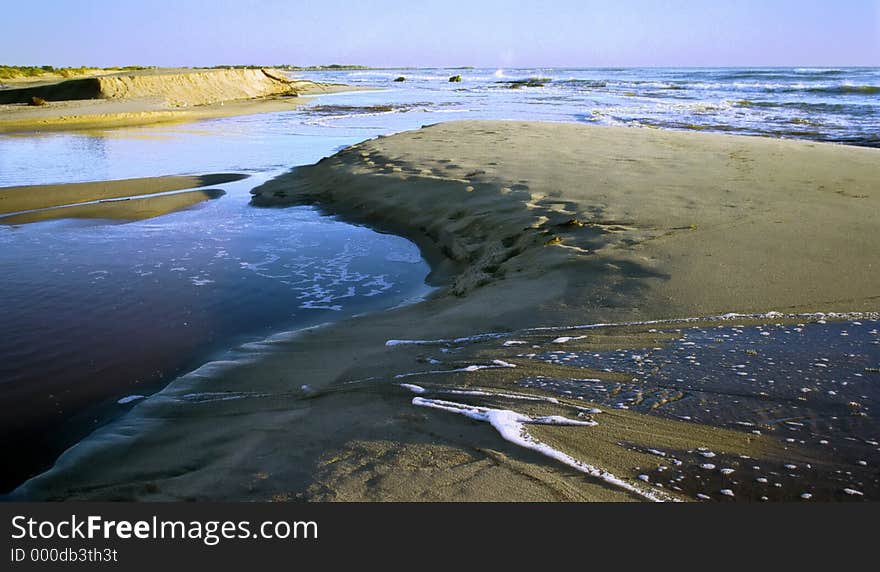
{"x":839,"y":105}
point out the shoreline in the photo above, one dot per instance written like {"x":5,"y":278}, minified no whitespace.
{"x":128,"y":99}
{"x":518,"y":243}
{"x":24,"y":198}
{"x":84,"y":401}
{"x":133,"y":117}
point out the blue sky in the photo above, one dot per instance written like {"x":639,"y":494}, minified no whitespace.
{"x":490,"y":33}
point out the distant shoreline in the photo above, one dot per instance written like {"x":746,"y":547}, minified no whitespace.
{"x":99,"y":100}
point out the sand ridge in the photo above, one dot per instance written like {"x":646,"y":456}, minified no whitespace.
{"x":178,"y":88}
{"x":152,"y":96}
{"x":126,"y":209}
{"x":33,"y":197}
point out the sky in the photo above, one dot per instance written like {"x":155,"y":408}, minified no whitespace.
{"x":482,"y":33}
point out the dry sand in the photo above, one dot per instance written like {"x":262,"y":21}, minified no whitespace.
{"x":152,"y":96}
{"x":525,"y":224}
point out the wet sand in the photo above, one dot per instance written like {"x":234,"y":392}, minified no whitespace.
{"x":119,"y":209}
{"x":526,"y":225}
{"x":32,"y":197}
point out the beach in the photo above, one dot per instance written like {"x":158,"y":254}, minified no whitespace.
{"x":535,"y":232}
{"x":669,"y":224}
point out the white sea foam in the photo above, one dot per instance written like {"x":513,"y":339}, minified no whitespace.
{"x":404,"y":257}
{"x":447,"y":110}
{"x":412,"y":387}
{"x":564,"y":339}
{"x":520,"y":396}
{"x":511,"y":426}
{"x":213,"y":396}
{"x":819,"y":317}
{"x":449,"y":341}
{"x":815,"y":70}
{"x":496,"y":364}
{"x":479,"y":392}
{"x":594,"y":411}
{"x":130,"y":398}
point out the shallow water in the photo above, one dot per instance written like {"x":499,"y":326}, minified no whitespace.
{"x":839,"y":105}
{"x":825,"y":372}
{"x":814,"y":385}
{"x":99,"y":311}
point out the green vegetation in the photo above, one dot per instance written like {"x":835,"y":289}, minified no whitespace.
{"x":12,"y":72}
{"x":24,"y":71}
{"x":290,"y":67}
{"x":238,"y":67}
{"x":336,"y":67}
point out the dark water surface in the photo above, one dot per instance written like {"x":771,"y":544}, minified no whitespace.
{"x":96,"y":311}
{"x":814,"y":385}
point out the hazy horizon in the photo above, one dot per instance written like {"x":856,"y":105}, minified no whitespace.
{"x":387,"y":33}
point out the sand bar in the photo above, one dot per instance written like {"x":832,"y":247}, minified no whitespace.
{"x":119,"y":209}
{"x":639,"y":222}
{"x":31,"y":197}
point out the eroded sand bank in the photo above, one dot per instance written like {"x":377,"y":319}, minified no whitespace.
{"x":152,"y":96}
{"x":526,"y":225}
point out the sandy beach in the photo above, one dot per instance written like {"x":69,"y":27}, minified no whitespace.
{"x":657,"y":224}
{"x":526,"y":225}
{"x":124,"y":99}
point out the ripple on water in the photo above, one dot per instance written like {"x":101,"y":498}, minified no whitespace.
{"x":101,"y":312}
